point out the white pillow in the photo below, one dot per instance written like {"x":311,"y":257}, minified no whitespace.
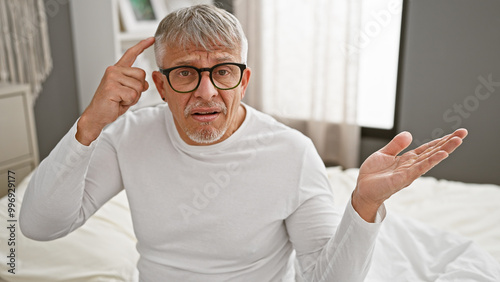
{"x":103,"y":249}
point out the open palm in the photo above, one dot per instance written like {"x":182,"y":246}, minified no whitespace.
{"x":385,"y":173}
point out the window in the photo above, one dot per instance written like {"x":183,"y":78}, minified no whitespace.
{"x":378,"y":62}
{"x":311,"y":66}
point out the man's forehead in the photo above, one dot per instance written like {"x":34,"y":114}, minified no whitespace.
{"x":193,"y":55}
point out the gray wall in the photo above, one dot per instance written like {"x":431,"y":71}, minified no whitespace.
{"x":56,"y":108}
{"x":451,"y":48}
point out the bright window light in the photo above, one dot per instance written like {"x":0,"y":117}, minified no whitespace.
{"x":378,"y":62}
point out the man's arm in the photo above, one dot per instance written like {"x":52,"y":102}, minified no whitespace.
{"x":120,"y":88}
{"x":68,"y":187}
{"x":332,"y":247}
{"x":82,"y":171}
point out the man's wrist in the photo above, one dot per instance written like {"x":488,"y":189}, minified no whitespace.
{"x":367,"y":210}
{"x":87,"y":132}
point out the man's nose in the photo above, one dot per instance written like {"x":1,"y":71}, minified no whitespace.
{"x":206,"y":90}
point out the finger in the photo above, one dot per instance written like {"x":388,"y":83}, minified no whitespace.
{"x":461,"y":133}
{"x":126,"y":76}
{"x":146,"y":86}
{"x":423,"y":166}
{"x":136,"y":73}
{"x":129,"y":57}
{"x":431,"y":144}
{"x":113,"y":72}
{"x":448,"y":147}
{"x":130,"y":82}
{"x":397,"y":144}
{"x":135,"y":98}
{"x":127,"y":96}
{"x":447,"y":144}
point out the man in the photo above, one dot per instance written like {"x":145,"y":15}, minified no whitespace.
{"x":217,"y":190}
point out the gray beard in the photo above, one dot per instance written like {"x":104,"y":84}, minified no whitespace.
{"x":207,"y":136}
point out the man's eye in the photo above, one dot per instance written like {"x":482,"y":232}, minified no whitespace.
{"x":222,"y":72}
{"x":184,"y":73}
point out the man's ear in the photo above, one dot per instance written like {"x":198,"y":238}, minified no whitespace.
{"x":161,"y":84}
{"x":245,"y":80}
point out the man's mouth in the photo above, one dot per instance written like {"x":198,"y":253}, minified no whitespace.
{"x":205,"y":115}
{"x":205,"y":112}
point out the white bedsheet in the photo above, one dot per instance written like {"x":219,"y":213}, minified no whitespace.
{"x":434,"y":231}
{"x":101,"y":250}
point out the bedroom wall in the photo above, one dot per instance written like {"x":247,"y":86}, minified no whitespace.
{"x":56,"y":108}
{"x":451,"y":51}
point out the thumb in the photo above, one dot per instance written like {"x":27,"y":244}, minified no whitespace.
{"x":397,"y":144}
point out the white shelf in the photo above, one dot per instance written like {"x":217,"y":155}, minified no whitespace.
{"x":19,"y":147}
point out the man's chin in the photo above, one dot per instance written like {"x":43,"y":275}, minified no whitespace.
{"x":206,"y":136}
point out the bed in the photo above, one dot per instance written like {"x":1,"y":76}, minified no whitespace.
{"x":435,"y":230}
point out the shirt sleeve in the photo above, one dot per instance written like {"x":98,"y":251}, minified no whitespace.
{"x":330,"y":244}
{"x":68,"y":186}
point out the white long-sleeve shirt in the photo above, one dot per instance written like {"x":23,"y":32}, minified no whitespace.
{"x":233,"y":211}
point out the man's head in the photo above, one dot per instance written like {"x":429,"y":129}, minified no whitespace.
{"x":203,"y":26}
{"x":204,"y":100}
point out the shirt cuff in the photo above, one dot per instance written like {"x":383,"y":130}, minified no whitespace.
{"x":69,"y":151}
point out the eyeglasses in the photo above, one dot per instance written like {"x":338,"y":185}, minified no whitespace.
{"x":184,"y":79}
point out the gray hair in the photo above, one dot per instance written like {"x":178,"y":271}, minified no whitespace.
{"x":202,"y":26}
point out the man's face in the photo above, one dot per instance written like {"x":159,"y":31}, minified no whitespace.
{"x":206,"y":115}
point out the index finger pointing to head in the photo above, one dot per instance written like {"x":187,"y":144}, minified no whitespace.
{"x":128,"y":59}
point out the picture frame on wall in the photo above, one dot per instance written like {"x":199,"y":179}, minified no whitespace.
{"x":141,"y":15}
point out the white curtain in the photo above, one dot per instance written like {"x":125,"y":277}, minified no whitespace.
{"x":24,"y":43}
{"x":303,"y":73}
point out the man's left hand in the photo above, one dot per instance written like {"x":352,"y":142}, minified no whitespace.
{"x":384,"y":173}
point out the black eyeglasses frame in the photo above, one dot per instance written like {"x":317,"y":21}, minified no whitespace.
{"x":166,"y":72}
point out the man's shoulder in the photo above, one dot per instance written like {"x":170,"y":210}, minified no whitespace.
{"x":266,"y":124}
{"x":143,"y":119}
{"x":147,"y":113}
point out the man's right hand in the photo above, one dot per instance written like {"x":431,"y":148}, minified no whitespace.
{"x":120,"y":88}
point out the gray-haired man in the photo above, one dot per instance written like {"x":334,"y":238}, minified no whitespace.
{"x":218,"y":191}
